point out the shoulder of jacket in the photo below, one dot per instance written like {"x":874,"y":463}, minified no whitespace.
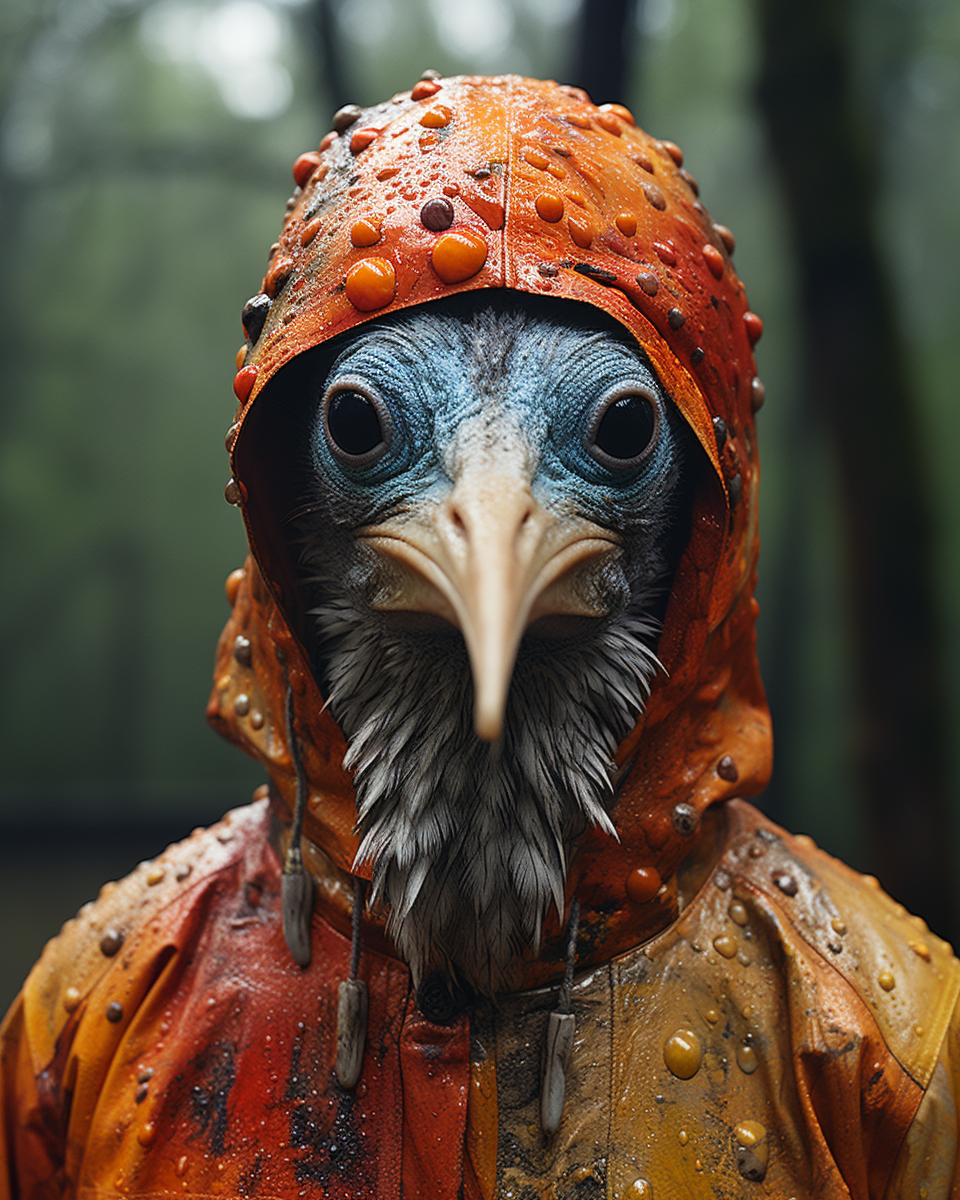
{"x":907,"y":977}
{"x":107,"y":935}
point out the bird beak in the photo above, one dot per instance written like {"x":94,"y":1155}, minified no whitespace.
{"x":491,"y":560}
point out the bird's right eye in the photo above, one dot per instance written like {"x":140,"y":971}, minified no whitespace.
{"x":357,"y":428}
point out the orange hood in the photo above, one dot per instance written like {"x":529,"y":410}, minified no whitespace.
{"x":470,"y":183}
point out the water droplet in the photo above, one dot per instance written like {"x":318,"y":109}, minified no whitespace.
{"x":608,"y":122}
{"x":581,"y":230}
{"x":256,"y":720}
{"x":240,"y":358}
{"x":683,"y":1053}
{"x":725,"y":944}
{"x":648,"y":283}
{"x":241,"y":706}
{"x":181,"y":1167}
{"x":886,"y":981}
{"x":155,"y":875}
{"x":921,"y":949}
{"x":727,"y":769}
{"x":147,"y":1134}
{"x":643,"y":883}
{"x":71,"y":999}
{"x":304,"y":167}
{"x":549,"y":206}
{"x":747,"y":1059}
{"x":626,"y":222}
{"x":642,"y":160}
{"x":640,"y":1189}
{"x":371,"y":284}
{"x":737,"y":912}
{"x":424,"y":89}
{"x":725,"y":236}
{"x":786,"y":883}
{"x":751,"y":1150}
{"x":536,"y":159}
{"x":754,"y":327}
{"x":838,"y":925}
{"x":437,"y":214}
{"x":712,"y":1015}
{"x":437,"y":118}
{"x":346,"y":116}
{"x":365,"y":232}
{"x":654,"y":195}
{"x":674,"y":151}
{"x":676,"y":320}
{"x":758,"y":393}
{"x":458,"y":256}
{"x":714,"y":260}
{"x":114,"y":1012}
{"x":111,"y":942}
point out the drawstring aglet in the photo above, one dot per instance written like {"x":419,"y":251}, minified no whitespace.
{"x":561,"y":1026}
{"x":352,"y":1005}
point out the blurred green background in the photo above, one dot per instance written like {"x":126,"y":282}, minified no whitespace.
{"x":145,"y":155}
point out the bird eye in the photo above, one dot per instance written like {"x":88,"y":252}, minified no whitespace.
{"x":354,"y":428}
{"x":625,"y":430}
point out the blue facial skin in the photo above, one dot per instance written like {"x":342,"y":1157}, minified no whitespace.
{"x":536,"y":384}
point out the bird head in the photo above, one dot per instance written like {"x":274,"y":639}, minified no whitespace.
{"x":503,"y":501}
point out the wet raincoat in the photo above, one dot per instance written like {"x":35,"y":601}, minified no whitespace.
{"x":751,"y":1017}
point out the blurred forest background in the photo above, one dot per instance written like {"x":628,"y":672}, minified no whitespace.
{"x":145,"y":155}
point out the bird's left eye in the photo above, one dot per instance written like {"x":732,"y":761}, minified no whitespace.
{"x":624,"y":430}
{"x":355,"y":425}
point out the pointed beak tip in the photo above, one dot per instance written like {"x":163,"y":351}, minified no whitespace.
{"x":488,"y":725}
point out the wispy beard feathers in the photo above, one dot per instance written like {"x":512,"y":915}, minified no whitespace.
{"x":469,"y":840}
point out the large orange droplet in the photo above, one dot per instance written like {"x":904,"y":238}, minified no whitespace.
{"x":618,"y":110}
{"x":371,"y":284}
{"x":459,"y":255}
{"x":549,"y":206}
{"x":683,"y":1054}
{"x":366,"y":231}
{"x":581,"y":230}
{"x":609,"y":122}
{"x":437,"y":118}
{"x":304,"y":167}
{"x":243,"y":383}
{"x":627,"y":224}
{"x":425,"y":88}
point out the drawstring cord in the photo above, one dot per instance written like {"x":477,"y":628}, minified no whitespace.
{"x":296,"y":886}
{"x":353,"y":1003}
{"x":561,"y":1026}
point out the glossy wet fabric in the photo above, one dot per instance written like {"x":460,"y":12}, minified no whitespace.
{"x":198,"y":1060}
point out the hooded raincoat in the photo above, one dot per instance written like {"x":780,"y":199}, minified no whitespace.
{"x":750,"y":1016}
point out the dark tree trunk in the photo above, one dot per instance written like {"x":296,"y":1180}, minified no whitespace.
{"x":602,"y":56}
{"x":858,"y":385}
{"x":331,"y":77}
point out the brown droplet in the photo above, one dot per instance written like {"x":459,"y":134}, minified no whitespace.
{"x":181,"y":1167}
{"x":727,"y":769}
{"x":256,"y":719}
{"x":683,"y":1053}
{"x":756,"y":851}
{"x":751,"y":1150}
{"x":626,"y":222}
{"x":674,"y":151}
{"x":649,"y":284}
{"x":71,"y":999}
{"x":786,"y":883}
{"x":720,"y":431}
{"x":683,"y":1137}
{"x":424,"y":89}
{"x":643,"y":883}
{"x":145,"y":1075}
{"x":886,"y":981}
{"x":654,"y":196}
{"x":459,"y":255}
{"x":111,"y":942}
{"x":834,"y":945}
{"x":365,"y":232}
{"x":696,"y":356}
{"x":721,"y":879}
{"x":140,"y":1094}
{"x":735,"y":490}
{"x":665,"y":253}
{"x":838,"y":925}
{"x":548,"y":270}
{"x":147,"y":1134}
{"x":363,"y":138}
{"x":230,"y":439}
{"x":536,"y":159}
{"x":684,"y":818}
{"x":726,"y":236}
{"x":371,"y":284}
{"x":241,"y":356}
{"x":714,"y":260}
{"x":430,"y":73}
{"x":241,"y":706}
{"x":747,"y":1059}
{"x":712,"y":1015}
{"x":232,"y":585}
{"x":738,"y":912}
{"x":155,"y":875}
{"x":114,"y":1012}
{"x":549,"y":206}
{"x":758,"y":393}
{"x":328,"y":140}
{"x":253,"y":316}
{"x":346,"y":116}
{"x":437,"y":214}
{"x":304,"y":167}
{"x":640,"y":1189}
{"x":578,"y":120}
{"x":642,"y":159}
{"x":725,"y":944}
{"x":675,"y":318}
{"x":689,"y":180}
{"x":438,"y":117}
{"x":242,"y":650}
{"x":182,"y":872}
{"x":921,"y":949}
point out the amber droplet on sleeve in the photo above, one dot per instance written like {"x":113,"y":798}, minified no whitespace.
{"x":643,"y":883}
{"x":549,"y":206}
{"x":366,"y":231}
{"x":459,"y":255}
{"x":304,"y":167}
{"x":243,"y":383}
{"x":627,"y":223}
{"x":754,"y":327}
{"x":371,"y":284}
{"x":437,"y":118}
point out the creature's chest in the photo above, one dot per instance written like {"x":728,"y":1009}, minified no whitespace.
{"x":679,"y":1083}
